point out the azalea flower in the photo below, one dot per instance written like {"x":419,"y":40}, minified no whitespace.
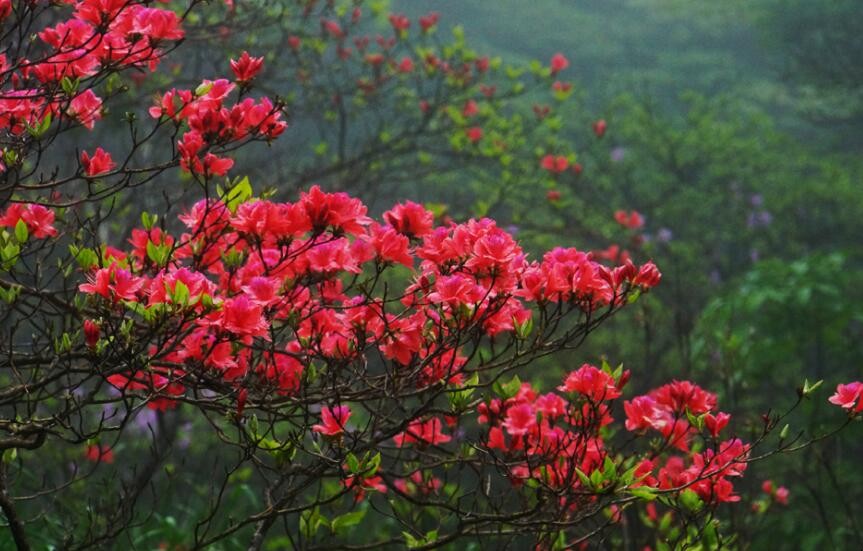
{"x":596,"y":385}
{"x":558,"y":63}
{"x":100,"y":163}
{"x":599,"y":128}
{"x":99,"y":454}
{"x":39,"y":219}
{"x":246,"y":68}
{"x":422,"y":433}
{"x":333,"y":420}
{"x":848,"y":396}
{"x":411,"y":219}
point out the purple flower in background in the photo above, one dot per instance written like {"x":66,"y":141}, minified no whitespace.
{"x":185,"y":439}
{"x":715,"y":277}
{"x":617,"y":154}
{"x":146,"y":420}
{"x":459,"y":434}
{"x":754,"y":255}
{"x":664,"y":235}
{"x":109,"y":412}
{"x":758,"y":219}
{"x":512,"y":229}
{"x":756,"y":200}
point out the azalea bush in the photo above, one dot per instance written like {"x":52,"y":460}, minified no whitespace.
{"x":294,"y":372}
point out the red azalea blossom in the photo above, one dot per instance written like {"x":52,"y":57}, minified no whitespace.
{"x":91,"y":333}
{"x":39,"y":219}
{"x":100,"y":163}
{"x":406,"y":65}
{"x":632,"y":219}
{"x":596,"y":385}
{"x":246,"y":67}
{"x":99,"y":454}
{"x":470,"y":109}
{"x":400,"y":22}
{"x":555,"y":164}
{"x":848,"y":396}
{"x":648,"y":276}
{"x":333,"y":420}
{"x":411,"y":219}
{"x":241,"y":316}
{"x":716,"y":423}
{"x":429,"y":21}
{"x":113,"y":283}
{"x":520,"y":419}
{"x":558,"y":63}
{"x":599,"y":128}
{"x":422,"y":433}
{"x":560,"y":87}
{"x":86,"y":108}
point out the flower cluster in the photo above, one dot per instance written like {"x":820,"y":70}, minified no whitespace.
{"x":212,"y":123}
{"x":559,"y":441}
{"x":39,"y":220}
{"x":98,"y":36}
{"x":277,"y":274}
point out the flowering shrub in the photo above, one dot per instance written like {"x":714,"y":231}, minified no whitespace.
{"x":352,"y":368}
{"x":49,"y":87}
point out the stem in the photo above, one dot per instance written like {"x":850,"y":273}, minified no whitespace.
{"x":8,"y":508}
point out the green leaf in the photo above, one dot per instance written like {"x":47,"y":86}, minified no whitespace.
{"x":70,"y":86}
{"x":559,"y":542}
{"x":347,"y":520}
{"x":9,"y":455}
{"x":21,"y":231}
{"x":585,"y":480}
{"x":158,"y":253}
{"x":809,"y":389}
{"x":609,"y":468}
{"x":85,"y":257}
{"x":311,"y":521}
{"x":507,"y":390}
{"x":413,"y":543}
{"x":203,"y":89}
{"x":9,"y":254}
{"x":239,"y":193}
{"x":180,"y":294}
{"x":40,"y":129}
{"x":523,"y":330}
{"x":596,"y":478}
{"x":353,"y":463}
{"x":643,"y":492}
{"x":696,"y":421}
{"x":375,"y":463}
{"x":690,"y":501}
{"x":149,"y":220}
{"x":410,"y":541}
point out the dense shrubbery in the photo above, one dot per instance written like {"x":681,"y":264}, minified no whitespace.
{"x":248,"y":370}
